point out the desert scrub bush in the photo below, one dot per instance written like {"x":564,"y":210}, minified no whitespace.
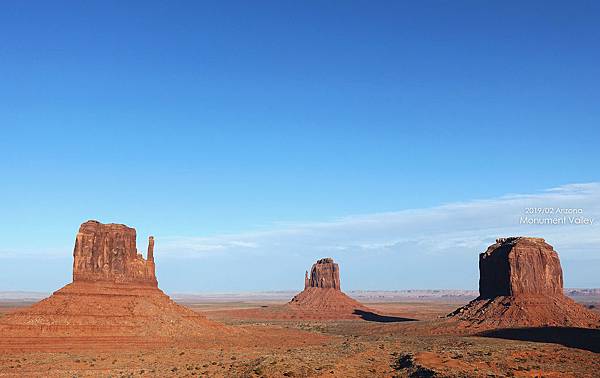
{"x":406,"y":362}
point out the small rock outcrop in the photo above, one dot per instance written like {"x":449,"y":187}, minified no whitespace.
{"x":107,"y":252}
{"x":521,"y":285}
{"x":324,"y":274}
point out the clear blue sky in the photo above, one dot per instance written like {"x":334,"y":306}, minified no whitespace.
{"x":203,"y":118}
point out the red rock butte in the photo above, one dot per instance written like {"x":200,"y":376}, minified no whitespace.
{"x":107,"y":252}
{"x":519,"y":266}
{"x":324,"y":274}
{"x":322,"y":297}
{"x":114,"y":296}
{"x":521,"y":285}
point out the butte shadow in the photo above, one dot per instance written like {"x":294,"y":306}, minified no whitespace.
{"x":374,"y":317}
{"x":572,"y":337}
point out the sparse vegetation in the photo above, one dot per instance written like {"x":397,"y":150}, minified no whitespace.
{"x":404,"y":361}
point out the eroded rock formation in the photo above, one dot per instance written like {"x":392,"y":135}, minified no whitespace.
{"x":324,"y":274}
{"x":521,"y":285}
{"x":114,"y":293}
{"x":322,"y":297}
{"x":107,"y":252}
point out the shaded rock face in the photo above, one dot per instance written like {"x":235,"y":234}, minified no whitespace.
{"x":107,"y":252}
{"x":519,"y":266}
{"x":324,"y":274}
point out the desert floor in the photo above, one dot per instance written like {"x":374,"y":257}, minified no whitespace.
{"x":388,"y":345}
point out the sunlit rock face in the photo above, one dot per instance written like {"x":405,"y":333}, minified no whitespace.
{"x":519,"y":266}
{"x":324,"y":274}
{"x":107,"y":252}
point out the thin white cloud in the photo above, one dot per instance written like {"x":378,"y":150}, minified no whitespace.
{"x":463,"y":227}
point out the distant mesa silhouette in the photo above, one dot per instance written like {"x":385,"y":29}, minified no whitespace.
{"x":521,"y":285}
{"x":114,"y":293}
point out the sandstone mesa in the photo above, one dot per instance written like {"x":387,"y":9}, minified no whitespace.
{"x":521,"y":285}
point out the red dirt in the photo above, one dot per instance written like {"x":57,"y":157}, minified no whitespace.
{"x":303,"y":348}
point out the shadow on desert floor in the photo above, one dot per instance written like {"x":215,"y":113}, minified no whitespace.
{"x":580,"y":338}
{"x":373,"y":317}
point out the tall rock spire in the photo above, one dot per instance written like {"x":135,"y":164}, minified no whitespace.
{"x":150,"y":255}
{"x":306,"y":279}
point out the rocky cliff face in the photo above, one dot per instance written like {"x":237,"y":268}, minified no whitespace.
{"x":107,"y":252}
{"x":324,"y":274}
{"x":519,"y":266}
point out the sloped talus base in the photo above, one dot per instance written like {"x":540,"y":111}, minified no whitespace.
{"x":107,"y":309}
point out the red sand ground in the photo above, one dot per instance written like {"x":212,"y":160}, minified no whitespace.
{"x":305,"y":348}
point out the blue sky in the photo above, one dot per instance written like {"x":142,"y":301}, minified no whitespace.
{"x":198,"y":120}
